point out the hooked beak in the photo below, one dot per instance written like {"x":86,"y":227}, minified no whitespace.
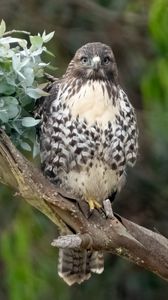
{"x":96,"y":62}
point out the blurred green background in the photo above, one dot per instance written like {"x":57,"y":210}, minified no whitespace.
{"x":138,"y":33}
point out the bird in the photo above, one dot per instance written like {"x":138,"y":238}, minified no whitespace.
{"x":88,"y":137}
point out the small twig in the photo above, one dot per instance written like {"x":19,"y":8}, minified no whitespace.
{"x":50,"y":77}
{"x":68,"y":241}
{"x":73,"y":241}
{"x":15,"y":31}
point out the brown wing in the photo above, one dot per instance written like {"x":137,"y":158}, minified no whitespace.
{"x":43,"y":104}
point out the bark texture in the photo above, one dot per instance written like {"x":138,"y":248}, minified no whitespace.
{"x":118,"y":235}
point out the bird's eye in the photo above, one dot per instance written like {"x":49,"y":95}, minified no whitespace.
{"x":84,"y":60}
{"x":106,"y":60}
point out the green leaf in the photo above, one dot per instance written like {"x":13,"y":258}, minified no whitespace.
{"x":26,"y":100}
{"x":10,"y":105}
{"x":36,"y":93}
{"x":9,"y":40}
{"x":28,"y":73}
{"x":29,"y":122}
{"x":16,"y":63}
{"x":22,"y":43}
{"x":25,"y":146}
{"x":2,"y":28}
{"x":10,"y":100}
{"x":5,"y":64}
{"x":2,"y":102}
{"x":16,"y":124}
{"x":49,"y":52}
{"x":4,"y":116}
{"x":47,"y":37}
{"x":36,"y":149}
{"x":36,"y":41}
{"x":5,"y":88}
{"x":13,"y":111}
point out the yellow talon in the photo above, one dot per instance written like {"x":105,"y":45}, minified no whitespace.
{"x":93,"y":204}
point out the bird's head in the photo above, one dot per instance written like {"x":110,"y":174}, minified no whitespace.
{"x":94,"y":61}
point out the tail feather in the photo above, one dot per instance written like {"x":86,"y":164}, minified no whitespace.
{"x":97,"y":262}
{"x":76,"y":266}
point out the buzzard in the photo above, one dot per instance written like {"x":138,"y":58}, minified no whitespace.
{"x":88,"y":137}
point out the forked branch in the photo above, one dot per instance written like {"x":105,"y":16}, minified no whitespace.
{"x":118,"y":235}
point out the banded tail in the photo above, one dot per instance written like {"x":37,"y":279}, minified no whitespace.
{"x":76,"y":266}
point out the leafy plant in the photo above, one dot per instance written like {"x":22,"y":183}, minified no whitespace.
{"x":21,"y":71}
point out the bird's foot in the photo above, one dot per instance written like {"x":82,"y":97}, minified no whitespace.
{"x":108,"y":209}
{"x":88,"y":206}
{"x":93,"y":204}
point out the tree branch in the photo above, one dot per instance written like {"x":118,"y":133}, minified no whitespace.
{"x":117,"y":235}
